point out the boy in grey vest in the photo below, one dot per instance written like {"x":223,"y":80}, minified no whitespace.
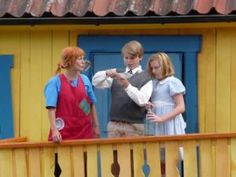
{"x":130,"y":92}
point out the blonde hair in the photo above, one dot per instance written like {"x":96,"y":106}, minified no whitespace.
{"x":68,"y":57}
{"x":165,"y":63}
{"x":133,"y":48}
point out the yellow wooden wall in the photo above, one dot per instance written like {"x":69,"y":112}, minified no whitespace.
{"x":37,"y":50}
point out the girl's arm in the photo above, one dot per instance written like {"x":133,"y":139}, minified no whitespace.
{"x":179,"y":108}
{"x":95,"y":121}
{"x":56,"y":136}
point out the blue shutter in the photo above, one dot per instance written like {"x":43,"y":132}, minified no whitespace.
{"x":6,"y":116}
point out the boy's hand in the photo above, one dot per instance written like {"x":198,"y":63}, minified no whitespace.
{"x":122,"y":80}
{"x":111,"y":73}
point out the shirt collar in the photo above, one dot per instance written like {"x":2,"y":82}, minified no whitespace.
{"x":135,"y":70}
{"x":164,"y":80}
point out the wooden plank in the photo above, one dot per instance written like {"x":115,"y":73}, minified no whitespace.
{"x":223,"y":63}
{"x":106,"y":152}
{"x":206,"y":84}
{"x":60,"y":40}
{"x":190,"y":158}
{"x":147,"y":28}
{"x":34,"y":166}
{"x":222,"y":158}
{"x":213,"y":158}
{"x":138,"y":159}
{"x":45,"y":73}
{"x":172,"y":157}
{"x":92,"y":160}
{"x":100,"y":141}
{"x":13,"y":140}
{"x":25,"y":85}
{"x":233,"y":157}
{"x":124,"y":159}
{"x":20,"y":163}
{"x":153,"y":158}
{"x":78,"y":161}
{"x":38,"y":54}
{"x":233,"y":82}
{"x":6,"y":163}
{"x":73,"y":35}
{"x":48,"y":161}
{"x":64,"y":160}
{"x":206,"y":164}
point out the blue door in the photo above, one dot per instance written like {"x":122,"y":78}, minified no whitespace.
{"x":104,"y":53}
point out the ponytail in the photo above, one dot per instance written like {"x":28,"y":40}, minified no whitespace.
{"x":58,"y":71}
{"x":68,"y":58}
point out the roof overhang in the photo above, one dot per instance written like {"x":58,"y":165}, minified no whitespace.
{"x":117,"y":20}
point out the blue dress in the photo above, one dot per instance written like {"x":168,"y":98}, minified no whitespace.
{"x":162,"y":98}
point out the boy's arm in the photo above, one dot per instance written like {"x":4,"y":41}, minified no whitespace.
{"x":101,"y":80}
{"x":139,"y":96}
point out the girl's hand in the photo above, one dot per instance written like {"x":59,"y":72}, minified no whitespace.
{"x":149,"y":106}
{"x":154,"y":118}
{"x":96,"y":132}
{"x":56,"y":136}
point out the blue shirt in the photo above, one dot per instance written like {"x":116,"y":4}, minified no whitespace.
{"x":52,"y":89}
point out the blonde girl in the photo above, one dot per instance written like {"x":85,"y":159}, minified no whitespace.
{"x":167,"y":101}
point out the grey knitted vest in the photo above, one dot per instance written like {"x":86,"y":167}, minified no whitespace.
{"x":123,"y":108}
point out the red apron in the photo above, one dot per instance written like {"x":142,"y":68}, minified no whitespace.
{"x":73,"y":111}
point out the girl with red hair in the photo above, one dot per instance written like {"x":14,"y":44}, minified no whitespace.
{"x":70,"y":99}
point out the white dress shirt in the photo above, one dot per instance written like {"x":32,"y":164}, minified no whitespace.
{"x":140,"y":97}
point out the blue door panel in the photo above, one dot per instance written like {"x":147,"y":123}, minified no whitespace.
{"x":6,"y":116}
{"x":103,"y":61}
{"x":191,"y":98}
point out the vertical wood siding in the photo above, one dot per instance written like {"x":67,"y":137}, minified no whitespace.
{"x":206,"y":82}
{"x":223,"y":57}
{"x":233,"y":84}
{"x":36,"y":53}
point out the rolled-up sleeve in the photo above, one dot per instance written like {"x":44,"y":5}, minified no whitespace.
{"x":100,"y":80}
{"x":51,"y":91}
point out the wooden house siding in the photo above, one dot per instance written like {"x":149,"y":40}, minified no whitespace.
{"x":37,"y":49}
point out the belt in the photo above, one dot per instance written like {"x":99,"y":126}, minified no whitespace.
{"x":121,"y":121}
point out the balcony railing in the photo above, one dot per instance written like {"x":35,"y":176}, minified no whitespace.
{"x":205,"y":155}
